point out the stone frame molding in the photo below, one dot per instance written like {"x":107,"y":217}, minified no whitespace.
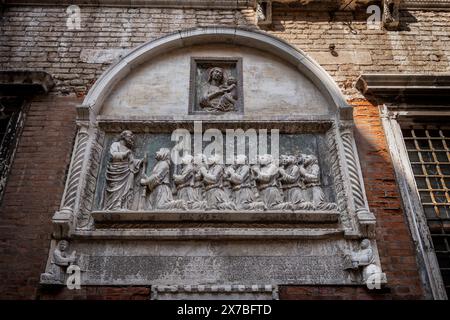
{"x":75,"y":219}
{"x":429,"y":273}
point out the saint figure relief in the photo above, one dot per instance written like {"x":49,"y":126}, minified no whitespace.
{"x":122,"y":191}
{"x":158,"y":184}
{"x":219,"y":94}
{"x":215,"y":196}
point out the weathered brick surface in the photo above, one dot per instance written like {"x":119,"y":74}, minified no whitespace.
{"x":33,"y":194}
{"x":36,"y":38}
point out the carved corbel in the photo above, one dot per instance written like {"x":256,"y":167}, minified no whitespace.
{"x":264,"y":12}
{"x":365,"y":219}
{"x":391,"y":14}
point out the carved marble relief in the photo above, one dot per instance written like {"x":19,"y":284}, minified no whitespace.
{"x":363,"y":263}
{"x":216,"y":85}
{"x":60,"y":260}
{"x":133,"y":213}
{"x":289,"y":183}
{"x":121,"y":192}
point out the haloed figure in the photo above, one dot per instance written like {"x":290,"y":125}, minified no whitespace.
{"x":218,"y":94}
{"x":121,"y":192}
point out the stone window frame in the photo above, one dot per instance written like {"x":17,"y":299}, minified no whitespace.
{"x":412,"y":204}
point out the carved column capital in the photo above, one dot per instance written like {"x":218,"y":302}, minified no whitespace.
{"x":391,"y":15}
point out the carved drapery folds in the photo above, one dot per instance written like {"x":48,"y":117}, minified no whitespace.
{"x":205,"y":183}
{"x":216,"y":85}
{"x":60,"y":260}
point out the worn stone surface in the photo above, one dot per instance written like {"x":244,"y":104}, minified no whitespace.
{"x":214,"y":262}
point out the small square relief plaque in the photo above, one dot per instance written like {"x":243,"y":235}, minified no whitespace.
{"x":216,"y":86}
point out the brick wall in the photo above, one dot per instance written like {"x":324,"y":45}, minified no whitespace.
{"x":36,"y":38}
{"x":33,"y":194}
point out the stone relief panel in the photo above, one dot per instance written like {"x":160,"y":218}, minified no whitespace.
{"x":137,"y":174}
{"x":161,"y":87}
{"x":216,"y":85}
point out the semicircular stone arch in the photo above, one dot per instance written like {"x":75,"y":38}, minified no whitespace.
{"x":276,"y":76}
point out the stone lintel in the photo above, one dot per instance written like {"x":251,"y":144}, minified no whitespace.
{"x":404,"y":85}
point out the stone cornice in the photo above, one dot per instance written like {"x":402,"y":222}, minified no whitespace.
{"x":25,"y":82}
